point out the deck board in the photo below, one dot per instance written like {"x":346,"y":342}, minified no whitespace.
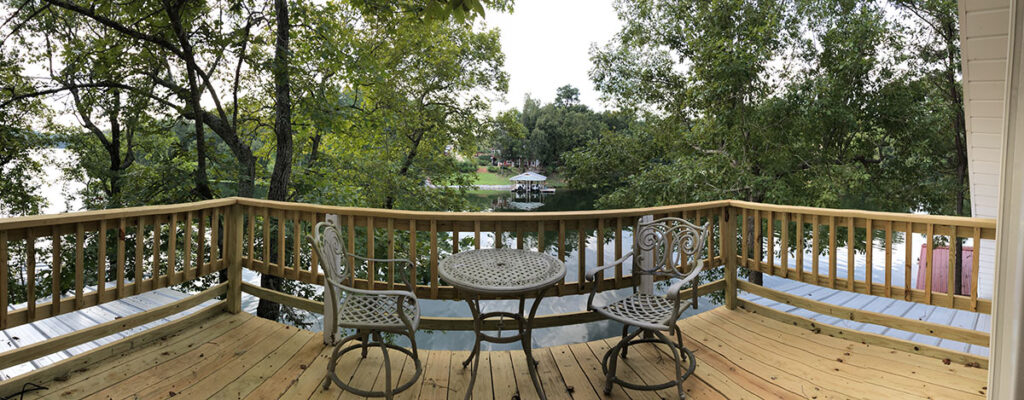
{"x":740,"y":355}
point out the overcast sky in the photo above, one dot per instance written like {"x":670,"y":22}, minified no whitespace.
{"x":547,"y":44}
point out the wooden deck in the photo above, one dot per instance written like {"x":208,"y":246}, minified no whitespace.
{"x":740,"y":355}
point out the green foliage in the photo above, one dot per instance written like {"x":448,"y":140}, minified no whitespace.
{"x":547,"y":132}
{"x":804,"y":103}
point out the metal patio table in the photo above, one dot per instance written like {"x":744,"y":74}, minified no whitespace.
{"x":505,"y":273}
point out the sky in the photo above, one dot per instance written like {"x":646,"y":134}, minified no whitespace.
{"x":547,"y":45}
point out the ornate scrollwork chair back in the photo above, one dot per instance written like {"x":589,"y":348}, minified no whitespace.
{"x":675,"y":247}
{"x":369,"y":312}
{"x":675,"y":244}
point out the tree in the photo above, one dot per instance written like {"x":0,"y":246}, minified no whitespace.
{"x":804,"y":103}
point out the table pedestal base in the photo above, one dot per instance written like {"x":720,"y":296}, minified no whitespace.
{"x":525,"y":326}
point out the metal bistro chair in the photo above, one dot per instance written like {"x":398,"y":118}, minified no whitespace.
{"x":368,"y":312}
{"x":676,"y":246}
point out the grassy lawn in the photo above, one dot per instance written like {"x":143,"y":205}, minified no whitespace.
{"x":489,"y":178}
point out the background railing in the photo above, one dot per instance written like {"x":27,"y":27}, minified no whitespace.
{"x":775,"y":240}
{"x":141,"y":249}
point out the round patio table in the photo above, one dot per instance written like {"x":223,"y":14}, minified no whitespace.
{"x":504,"y":273}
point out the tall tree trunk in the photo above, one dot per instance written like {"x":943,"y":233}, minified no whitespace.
{"x":283,"y":133}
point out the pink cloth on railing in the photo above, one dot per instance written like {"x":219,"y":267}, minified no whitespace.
{"x":940,"y":269}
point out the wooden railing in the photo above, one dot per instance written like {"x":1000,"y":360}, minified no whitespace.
{"x":142,"y":249}
{"x":146,"y":248}
{"x":275,"y":240}
{"x":793,"y":243}
{"x":795,"y":230}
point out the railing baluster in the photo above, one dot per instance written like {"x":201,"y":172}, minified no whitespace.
{"x":79,"y":266}
{"x":869,"y":238}
{"x":799,"y":247}
{"x":352,"y":249}
{"x":30,"y":265}
{"x":561,"y":252}
{"x":455,"y":239}
{"x":711,"y":233}
{"x":55,"y":273}
{"x":784,"y":244}
{"x":499,"y":235}
{"x":951,"y":271}
{"x":412,"y":254}
{"x":770,"y":235}
{"x":121,"y":233}
{"x":519,"y":235}
{"x":282,"y":229}
{"x":215,"y":236}
{"x":832,"y":258}
{"x":101,"y":261}
{"x":251,"y":240}
{"x":186,"y":252}
{"x":140,"y":244}
{"x":4,"y":273}
{"x":888,"y":259}
{"x":172,"y":250}
{"x":744,"y":236}
{"x":540,"y":236}
{"x":433,"y":259}
{"x":391,"y":253}
{"x":928,"y":259}
{"x":201,"y":265}
{"x":155,"y":274}
{"x":816,"y":248}
{"x":760,"y":241}
{"x":581,"y":254}
{"x":314,"y":260}
{"x":851,"y":244}
{"x":975,"y":264}
{"x":476,"y":234}
{"x":908,"y":261}
{"x":267,"y":269}
{"x":296,"y":244}
{"x":600,"y":248}
{"x":618,"y":251}
{"x":371,"y":267}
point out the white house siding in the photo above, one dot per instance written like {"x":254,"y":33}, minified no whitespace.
{"x":984,"y":28}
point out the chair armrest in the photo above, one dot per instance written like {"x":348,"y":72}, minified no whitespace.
{"x":393,"y":292}
{"x":592,"y":272}
{"x":673,"y":291}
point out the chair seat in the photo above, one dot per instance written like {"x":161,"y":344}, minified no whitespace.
{"x":376,"y":312}
{"x":643,"y":310}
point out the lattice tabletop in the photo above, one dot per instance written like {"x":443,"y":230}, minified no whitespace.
{"x":501,"y":271}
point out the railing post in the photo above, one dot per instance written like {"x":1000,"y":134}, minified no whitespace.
{"x":233,"y":257}
{"x":728,"y":250}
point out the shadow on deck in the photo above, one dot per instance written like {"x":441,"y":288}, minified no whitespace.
{"x":740,"y":355}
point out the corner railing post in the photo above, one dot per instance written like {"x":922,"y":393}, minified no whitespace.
{"x":233,"y":257}
{"x":728,"y":232}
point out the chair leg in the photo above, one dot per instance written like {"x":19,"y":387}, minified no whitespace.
{"x":675,"y":358}
{"x":366,"y":342}
{"x":388,"y":393}
{"x":679,"y":337}
{"x":625,"y":349}
{"x":609,"y":375}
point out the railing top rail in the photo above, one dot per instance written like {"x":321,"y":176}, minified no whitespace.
{"x":877,"y":215}
{"x":481,"y":216}
{"x":83,"y":216}
{"x":32,"y":221}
